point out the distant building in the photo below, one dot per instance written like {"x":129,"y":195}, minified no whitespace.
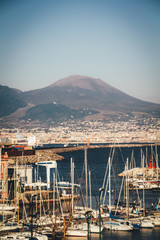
{"x":31,"y":140}
{"x":5,"y":140}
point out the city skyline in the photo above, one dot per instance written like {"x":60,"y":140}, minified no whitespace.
{"x":118,"y":42}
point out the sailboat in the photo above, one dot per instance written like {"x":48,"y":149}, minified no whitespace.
{"x":82,"y":229}
{"x":7,"y":211}
{"x":115,"y":223}
{"x":155,"y":220}
{"x":145,"y":222}
{"x":24,"y":236}
{"x":76,"y":231}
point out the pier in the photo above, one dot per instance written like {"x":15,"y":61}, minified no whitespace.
{"x":50,"y":154}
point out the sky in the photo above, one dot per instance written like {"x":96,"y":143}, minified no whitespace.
{"x":118,"y":41}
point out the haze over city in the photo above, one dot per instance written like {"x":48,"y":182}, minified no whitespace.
{"x":116,"y":41}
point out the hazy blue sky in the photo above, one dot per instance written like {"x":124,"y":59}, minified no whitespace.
{"x":118,"y":41}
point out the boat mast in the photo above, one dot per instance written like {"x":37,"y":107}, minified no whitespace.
{"x":85,"y":159}
{"x":72,"y":183}
{"x":146,"y":155}
{"x":115,"y":175}
{"x":109,"y":176}
{"x":90,"y":191}
{"x":54,"y":195}
{"x":17,"y":191}
{"x":1,"y":188}
{"x":40,"y":200}
{"x":127,"y":190}
{"x":143,"y":187}
{"x":107,"y":169}
{"x":37,"y":167}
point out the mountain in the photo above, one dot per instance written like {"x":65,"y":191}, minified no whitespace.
{"x":86,"y":92}
{"x":10,"y":100}
{"x":76,"y":97}
{"x":73,"y":91}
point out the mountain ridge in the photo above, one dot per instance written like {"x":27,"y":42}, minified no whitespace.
{"x":83,"y":92}
{"x":10,"y":100}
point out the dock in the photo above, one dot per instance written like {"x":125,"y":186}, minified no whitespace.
{"x":53,"y":153}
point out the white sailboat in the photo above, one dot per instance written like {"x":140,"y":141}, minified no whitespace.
{"x":81,"y":229}
{"x":156,"y":221}
{"x":116,"y":224}
{"x":119,"y":226}
{"x":93,"y":228}
{"x":75,"y":232}
{"x":24,"y":236}
{"x":7,"y":227}
{"x":146,"y":223}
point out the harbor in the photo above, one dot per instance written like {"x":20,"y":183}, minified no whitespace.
{"x":80,"y":120}
{"x":44,"y":196}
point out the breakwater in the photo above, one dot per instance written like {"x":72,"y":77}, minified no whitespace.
{"x":51,"y":154}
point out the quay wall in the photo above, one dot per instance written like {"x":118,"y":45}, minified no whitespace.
{"x":53,"y":153}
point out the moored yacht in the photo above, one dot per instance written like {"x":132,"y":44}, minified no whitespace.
{"x":76,"y":231}
{"x":147,"y":223}
{"x":118,"y":225}
{"x":25,"y":236}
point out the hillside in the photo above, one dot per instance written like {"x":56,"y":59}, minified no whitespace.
{"x":10,"y":100}
{"x":55,"y":112}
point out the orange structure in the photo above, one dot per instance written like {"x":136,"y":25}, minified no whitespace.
{"x":151,"y":164}
{"x":4,"y":176}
